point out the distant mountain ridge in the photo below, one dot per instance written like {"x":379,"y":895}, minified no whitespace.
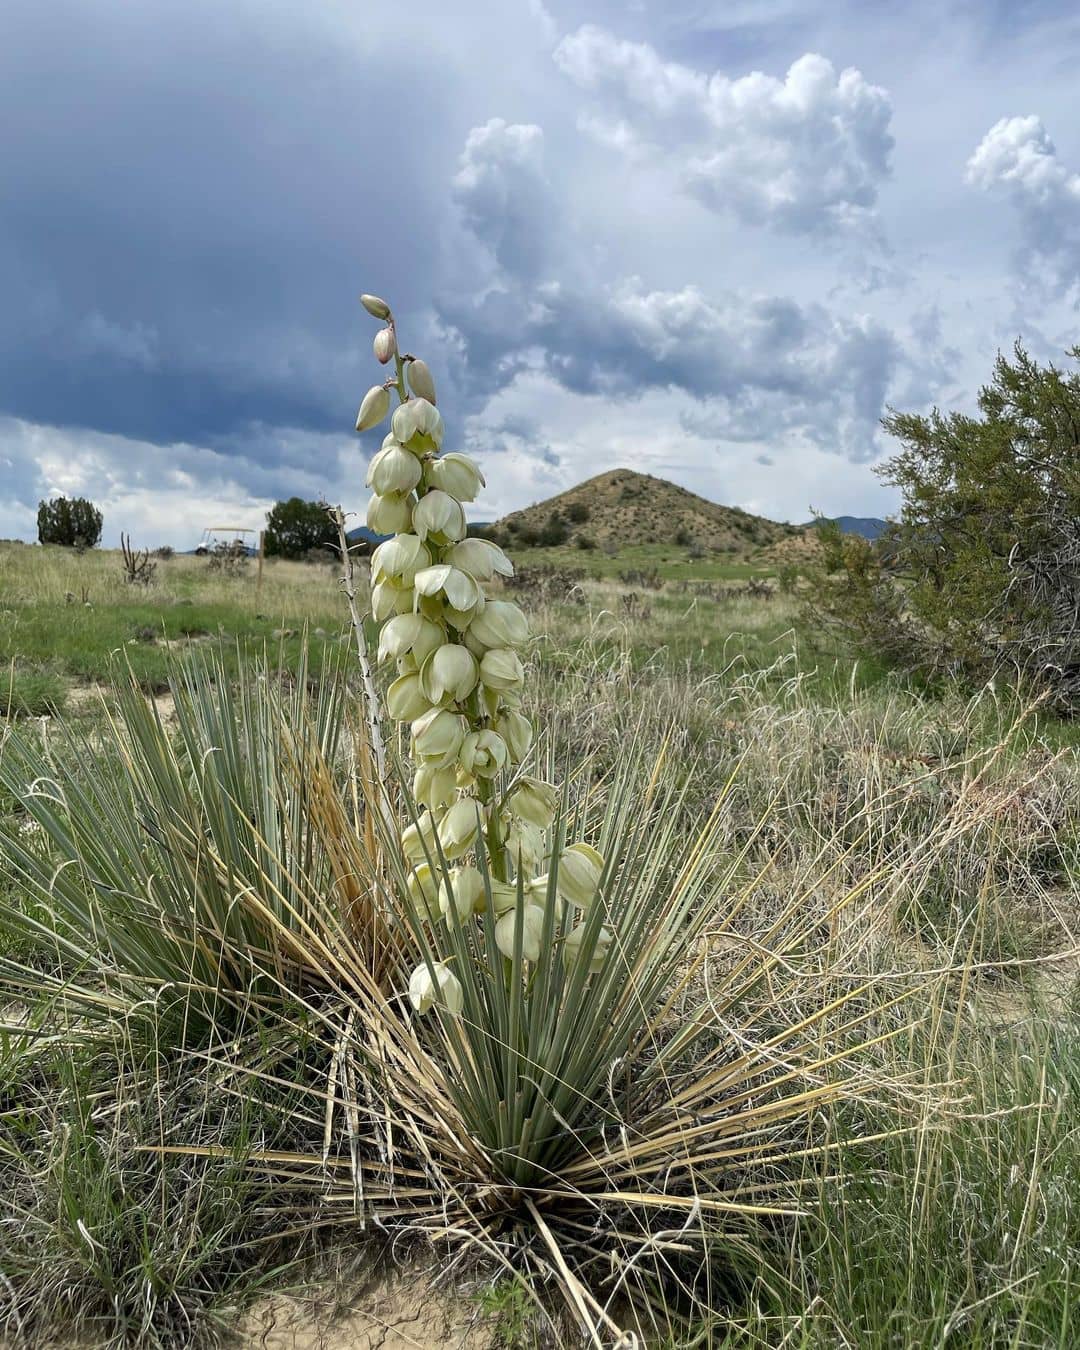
{"x":870,"y":527}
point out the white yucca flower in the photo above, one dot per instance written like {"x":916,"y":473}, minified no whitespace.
{"x":389,"y":515}
{"x":502,"y":624}
{"x":481,"y":559}
{"x":437,"y":737}
{"x":410,"y":634}
{"x":440,"y":517}
{"x":399,"y":559}
{"x":457,"y":474}
{"x":533,"y":801}
{"x":501,"y":669}
{"x":451,"y":673}
{"x":459,"y":827}
{"x":461,"y":591}
{"x":532,"y":931}
{"x":394,"y":470}
{"x":444,"y":990}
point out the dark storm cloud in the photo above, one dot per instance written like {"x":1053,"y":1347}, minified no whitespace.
{"x":194,"y":198}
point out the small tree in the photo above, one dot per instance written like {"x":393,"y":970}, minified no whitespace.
{"x":295,"y":527}
{"x":71,"y":521}
{"x":981,"y":571}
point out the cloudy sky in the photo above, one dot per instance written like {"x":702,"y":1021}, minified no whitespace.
{"x":707,"y":239}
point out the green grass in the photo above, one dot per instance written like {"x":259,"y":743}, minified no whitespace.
{"x":961,"y":1230}
{"x":673,"y":563}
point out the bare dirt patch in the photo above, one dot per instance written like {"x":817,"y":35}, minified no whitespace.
{"x":398,"y":1311}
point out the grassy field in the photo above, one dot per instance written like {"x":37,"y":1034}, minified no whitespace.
{"x":933,"y":841}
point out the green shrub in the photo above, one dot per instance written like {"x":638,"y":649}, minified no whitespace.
{"x":73,"y":522}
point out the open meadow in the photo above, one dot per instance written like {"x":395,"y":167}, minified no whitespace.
{"x":891,"y":936}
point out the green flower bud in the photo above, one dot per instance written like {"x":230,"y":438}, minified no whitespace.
{"x":434,"y":787}
{"x":384,"y":345}
{"x":502,"y":669}
{"x":378,"y":309}
{"x":459,"y":827}
{"x":457,"y":474}
{"x":444,"y":990}
{"x":462,"y":892}
{"x":420,"y":381}
{"x":439,"y":516}
{"x":481,"y":559}
{"x":532,"y":931}
{"x":405,"y":700}
{"x":572,"y":948}
{"x":373,"y":408}
{"x":449,"y":673}
{"x":483,"y":754}
{"x":394,"y":470}
{"x":517,"y":731}
{"x":390,"y":515}
{"x":418,"y":839}
{"x":388,"y":600}
{"x":409,"y":633}
{"x":579,"y":872}
{"x":502,"y":624}
{"x":533,"y":801}
{"x":437,"y":736}
{"x":461,"y":591}
{"x":398,"y":560}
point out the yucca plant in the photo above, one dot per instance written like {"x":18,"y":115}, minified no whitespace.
{"x":606,"y":1064}
{"x":195,"y":863}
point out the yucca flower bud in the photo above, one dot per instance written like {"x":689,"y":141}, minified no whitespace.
{"x":517,"y":731}
{"x":405,"y":700}
{"x":384,"y":345}
{"x":423,"y":887}
{"x":462,"y":892}
{"x":394,"y":470}
{"x":410,"y":633}
{"x":502,"y":624}
{"x":502,"y":669}
{"x":533,"y":801}
{"x":462,"y":592}
{"x":450,"y":673}
{"x":434,"y":787}
{"x":388,"y":600}
{"x":481,"y":559}
{"x":578,"y":876}
{"x":373,"y":407}
{"x":483,"y":754}
{"x":439,"y":516}
{"x":437,"y":736}
{"x":532,"y":932}
{"x":378,"y":309}
{"x":459,"y":827}
{"x":418,"y":839}
{"x":457,"y":474}
{"x":398,"y":560}
{"x":444,"y":990}
{"x":420,"y":381}
{"x":572,"y":947}
{"x":418,"y":425}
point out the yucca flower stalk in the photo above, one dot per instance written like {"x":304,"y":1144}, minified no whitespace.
{"x":457,"y":651}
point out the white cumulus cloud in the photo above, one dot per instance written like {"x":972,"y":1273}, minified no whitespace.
{"x":1017,"y":160}
{"x":804,"y":154}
